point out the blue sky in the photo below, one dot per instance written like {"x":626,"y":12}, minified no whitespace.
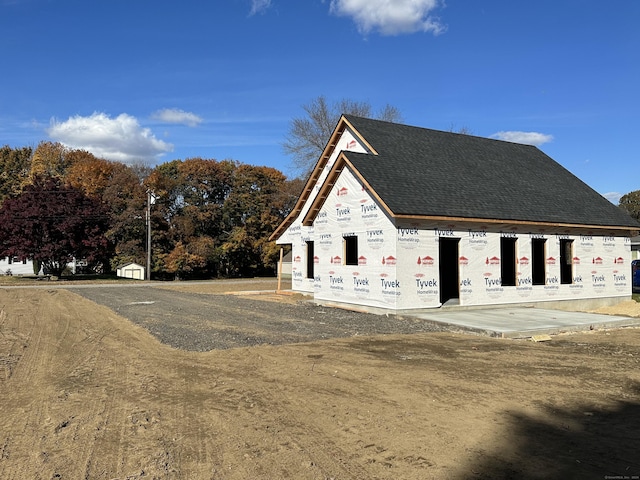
{"x":162,"y":80}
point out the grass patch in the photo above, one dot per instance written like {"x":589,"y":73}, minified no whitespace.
{"x":636,"y":297}
{"x":27,"y":280}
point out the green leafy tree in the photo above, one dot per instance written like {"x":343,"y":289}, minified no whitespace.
{"x":630,"y":203}
{"x":309,"y":134}
{"x":53,"y":223}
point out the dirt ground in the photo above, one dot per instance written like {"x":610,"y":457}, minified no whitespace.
{"x":86,"y":393}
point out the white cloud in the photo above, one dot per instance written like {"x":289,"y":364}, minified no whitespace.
{"x":120,"y":139}
{"x":390,"y":17}
{"x":613,"y":197}
{"x":259,"y":6}
{"x":528,"y":138}
{"x":175,"y":115}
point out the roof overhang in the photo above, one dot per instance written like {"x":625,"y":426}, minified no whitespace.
{"x":342,"y":163}
{"x":627,"y":231}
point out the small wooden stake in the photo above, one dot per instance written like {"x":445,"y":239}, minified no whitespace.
{"x":540,"y":338}
{"x":280,"y":271}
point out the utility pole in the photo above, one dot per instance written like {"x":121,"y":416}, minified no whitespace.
{"x":150,"y":199}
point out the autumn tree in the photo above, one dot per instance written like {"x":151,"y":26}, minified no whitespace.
{"x":630,"y":203}
{"x":181,"y":262}
{"x":119,"y":188}
{"x":204,"y":188}
{"x":191,"y":195}
{"x":285,"y":200}
{"x":210,"y":218}
{"x":309,"y":134}
{"x":126,"y":200}
{"x":53,"y":223}
{"x":89,"y":173}
{"x":15,"y":165}
{"x":255,"y":207}
{"x":50,"y":159}
{"x":215,"y":217}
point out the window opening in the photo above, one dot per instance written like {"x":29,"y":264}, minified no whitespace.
{"x":310,"y":262}
{"x":351,"y":250}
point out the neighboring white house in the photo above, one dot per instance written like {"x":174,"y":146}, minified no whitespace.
{"x":635,"y":248}
{"x":131,"y":270}
{"x":14,"y":266}
{"x":398,"y":217}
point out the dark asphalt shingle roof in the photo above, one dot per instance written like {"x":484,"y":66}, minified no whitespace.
{"x":426,"y":172}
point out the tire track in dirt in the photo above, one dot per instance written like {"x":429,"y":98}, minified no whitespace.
{"x":57,"y":375}
{"x":345,"y":438}
{"x":189,"y":414}
{"x":80,"y":361}
{"x":279,"y":432}
{"x":323,"y":454}
{"x":25,"y":413}
{"x":153,"y":420}
{"x":130,"y":436}
{"x":68,"y":369}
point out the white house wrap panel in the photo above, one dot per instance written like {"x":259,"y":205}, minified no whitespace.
{"x":398,"y":267}
{"x":371,"y":278}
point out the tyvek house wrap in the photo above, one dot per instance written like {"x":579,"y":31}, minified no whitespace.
{"x":398,"y":261}
{"x":350,"y":211}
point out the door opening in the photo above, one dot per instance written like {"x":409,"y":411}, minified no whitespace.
{"x":566,"y":261}
{"x":538,"y":271}
{"x":508,"y":254}
{"x":449,"y":275}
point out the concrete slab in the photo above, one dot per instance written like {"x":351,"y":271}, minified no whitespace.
{"x":523,"y":322}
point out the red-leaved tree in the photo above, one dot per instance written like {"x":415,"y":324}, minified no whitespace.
{"x":53,"y":223}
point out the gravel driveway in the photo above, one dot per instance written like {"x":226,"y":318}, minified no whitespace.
{"x":202,"y":322}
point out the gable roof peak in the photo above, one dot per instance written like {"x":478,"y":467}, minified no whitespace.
{"x":418,"y":172}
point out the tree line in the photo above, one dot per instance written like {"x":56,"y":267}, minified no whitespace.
{"x":630,"y":203}
{"x":210,"y":218}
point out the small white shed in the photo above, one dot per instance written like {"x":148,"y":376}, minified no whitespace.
{"x":131,"y":270}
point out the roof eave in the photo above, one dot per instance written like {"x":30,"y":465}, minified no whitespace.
{"x":443,"y":218}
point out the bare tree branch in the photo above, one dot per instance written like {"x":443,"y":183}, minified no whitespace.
{"x":308,"y":135}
